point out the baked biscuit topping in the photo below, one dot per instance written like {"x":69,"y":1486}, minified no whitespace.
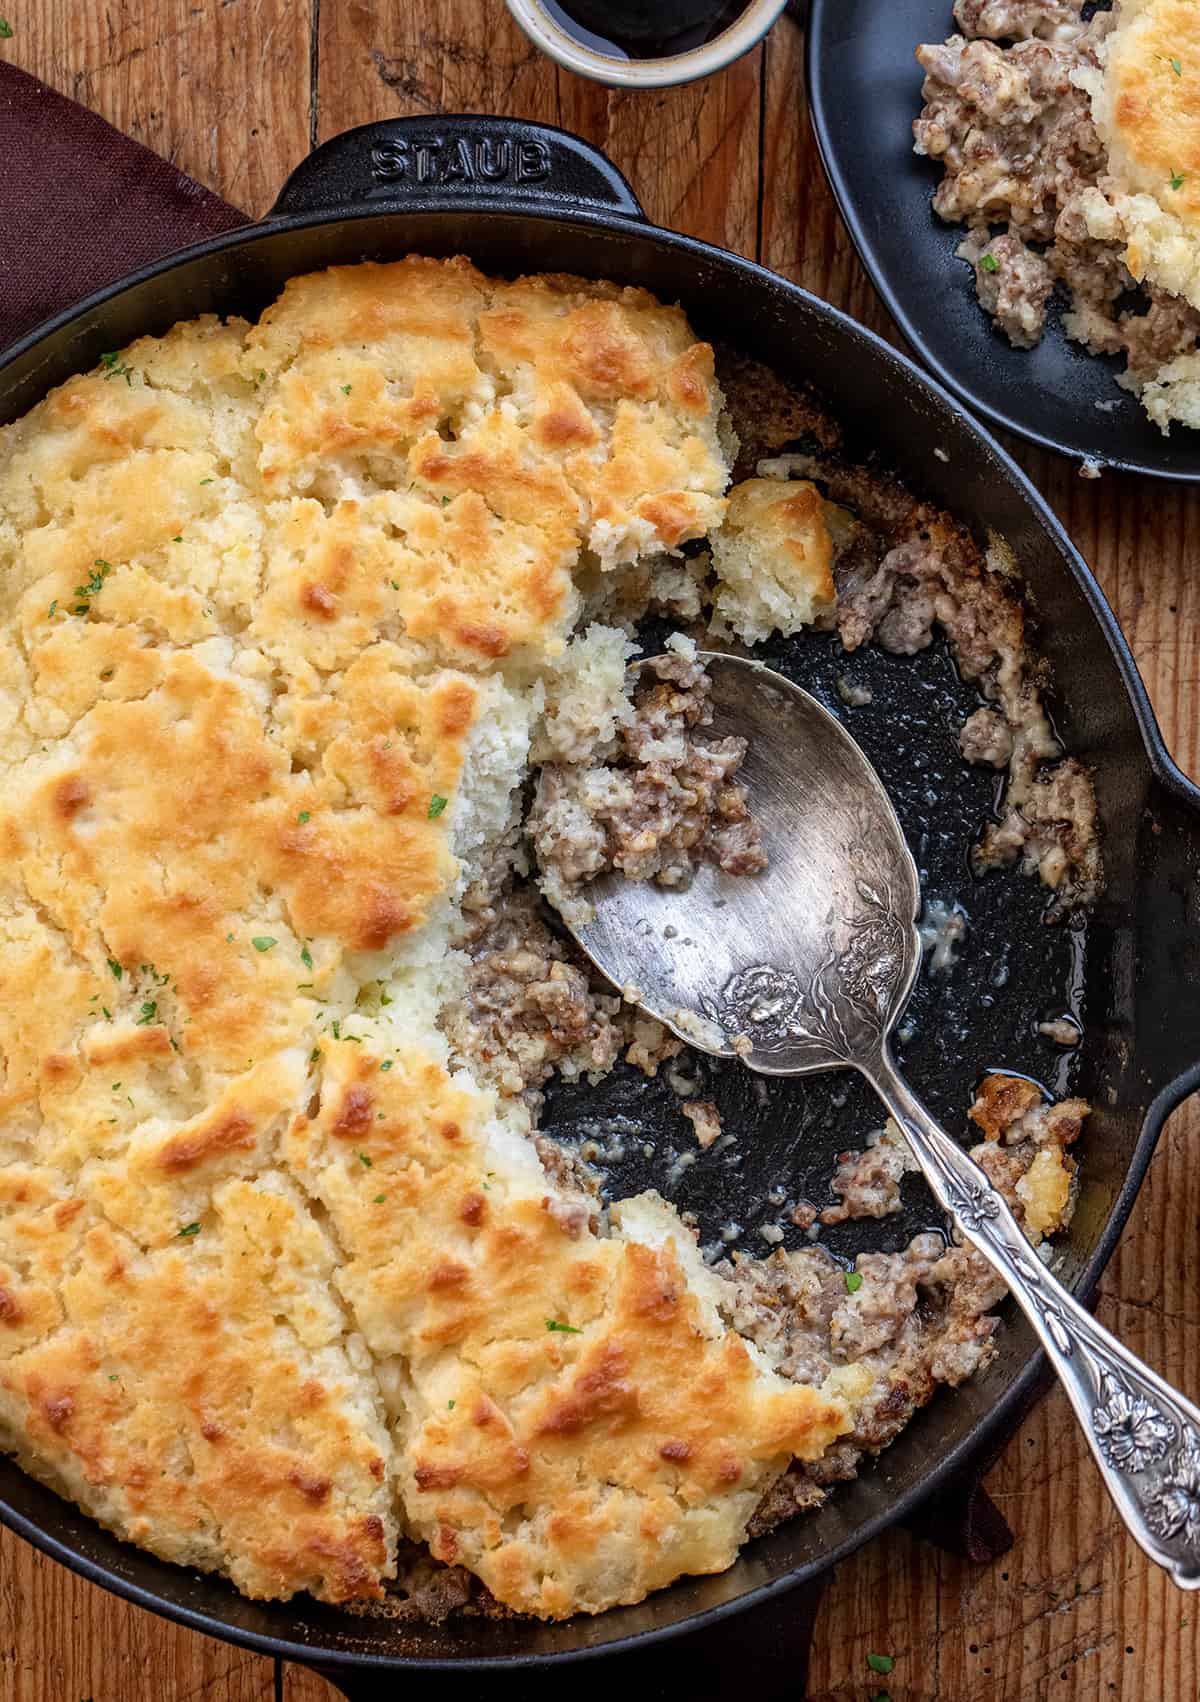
{"x":274,"y":1279}
{"x":1146,"y":104}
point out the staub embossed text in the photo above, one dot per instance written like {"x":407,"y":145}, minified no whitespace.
{"x":461,"y":159}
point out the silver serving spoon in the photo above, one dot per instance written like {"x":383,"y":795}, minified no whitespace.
{"x":807,"y":967}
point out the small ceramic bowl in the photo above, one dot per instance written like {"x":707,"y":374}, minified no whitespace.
{"x":544,"y":30}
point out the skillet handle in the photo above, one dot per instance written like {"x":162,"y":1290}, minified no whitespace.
{"x":767,"y":1642}
{"x":454,"y":160}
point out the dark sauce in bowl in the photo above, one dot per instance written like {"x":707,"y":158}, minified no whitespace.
{"x":654,"y":29}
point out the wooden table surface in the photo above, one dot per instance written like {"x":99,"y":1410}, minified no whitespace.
{"x":236,"y":92}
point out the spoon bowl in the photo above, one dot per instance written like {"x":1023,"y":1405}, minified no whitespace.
{"x":725,"y":964}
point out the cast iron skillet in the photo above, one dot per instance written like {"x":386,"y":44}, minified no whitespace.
{"x":864,"y":92}
{"x":519,"y":197}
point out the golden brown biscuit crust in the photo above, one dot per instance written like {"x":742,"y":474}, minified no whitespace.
{"x":1155,"y":108}
{"x":1146,"y":105}
{"x":569,"y":1425}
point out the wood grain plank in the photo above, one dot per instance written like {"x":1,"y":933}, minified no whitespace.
{"x":220,"y":87}
{"x":802,"y":236}
{"x":62,"y":1639}
{"x":301,"y":1685}
{"x":691,"y":153}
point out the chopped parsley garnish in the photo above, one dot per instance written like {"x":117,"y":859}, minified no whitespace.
{"x":305,"y":815}
{"x":445,"y":501}
{"x":386,"y":1064}
{"x":149,"y":1014}
{"x":380,"y":1198}
{"x":116,"y":1087}
{"x":337,"y":1029}
{"x":449,"y":1406}
{"x":853,"y":1282}
{"x":563,"y":1329}
{"x":206,"y":481}
{"x":306,"y":957}
{"x":53,"y":606}
{"x":314,"y":1054}
{"x":436,"y":805}
{"x":366,"y":1159}
{"x":880,"y":1663}
{"x":190,"y":1229}
{"x":989,"y":263}
{"x":395,"y":583}
{"x":264,"y":942}
{"x":100,"y":572}
{"x":178,"y":538}
{"x":115,"y":367}
{"x":881,"y":1696}
{"x":346,"y":389}
{"x":1177,"y":179}
{"x":384,"y":998}
{"x":6,"y":29}
{"x":112,"y":1377}
{"x":1176,"y":66}
{"x":116,"y":968}
{"x":107,"y":1012}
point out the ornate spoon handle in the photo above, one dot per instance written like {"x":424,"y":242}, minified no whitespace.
{"x":1145,"y":1436}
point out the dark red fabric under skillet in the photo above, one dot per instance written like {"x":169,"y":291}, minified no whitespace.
{"x":81,"y":204}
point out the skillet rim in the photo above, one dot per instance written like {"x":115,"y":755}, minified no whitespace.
{"x":1161,"y":766}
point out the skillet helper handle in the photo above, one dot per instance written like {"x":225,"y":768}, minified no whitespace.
{"x":768,"y":1641}
{"x":456,"y":159}
{"x":1144,"y":1435}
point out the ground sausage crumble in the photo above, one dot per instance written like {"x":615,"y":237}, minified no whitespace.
{"x":654,"y":802}
{"x":916,"y":1318}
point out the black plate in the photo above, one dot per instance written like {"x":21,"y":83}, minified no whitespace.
{"x":864,"y":91}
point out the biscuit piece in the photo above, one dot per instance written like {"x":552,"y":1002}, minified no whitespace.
{"x":1173,"y":393}
{"x":1024,"y":1150}
{"x":1146,"y":103}
{"x":483,"y":434}
{"x":204,"y":1396}
{"x":773,"y":557}
{"x":573,"y":1420}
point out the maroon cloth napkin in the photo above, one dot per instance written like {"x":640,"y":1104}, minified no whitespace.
{"x":81,"y":205}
